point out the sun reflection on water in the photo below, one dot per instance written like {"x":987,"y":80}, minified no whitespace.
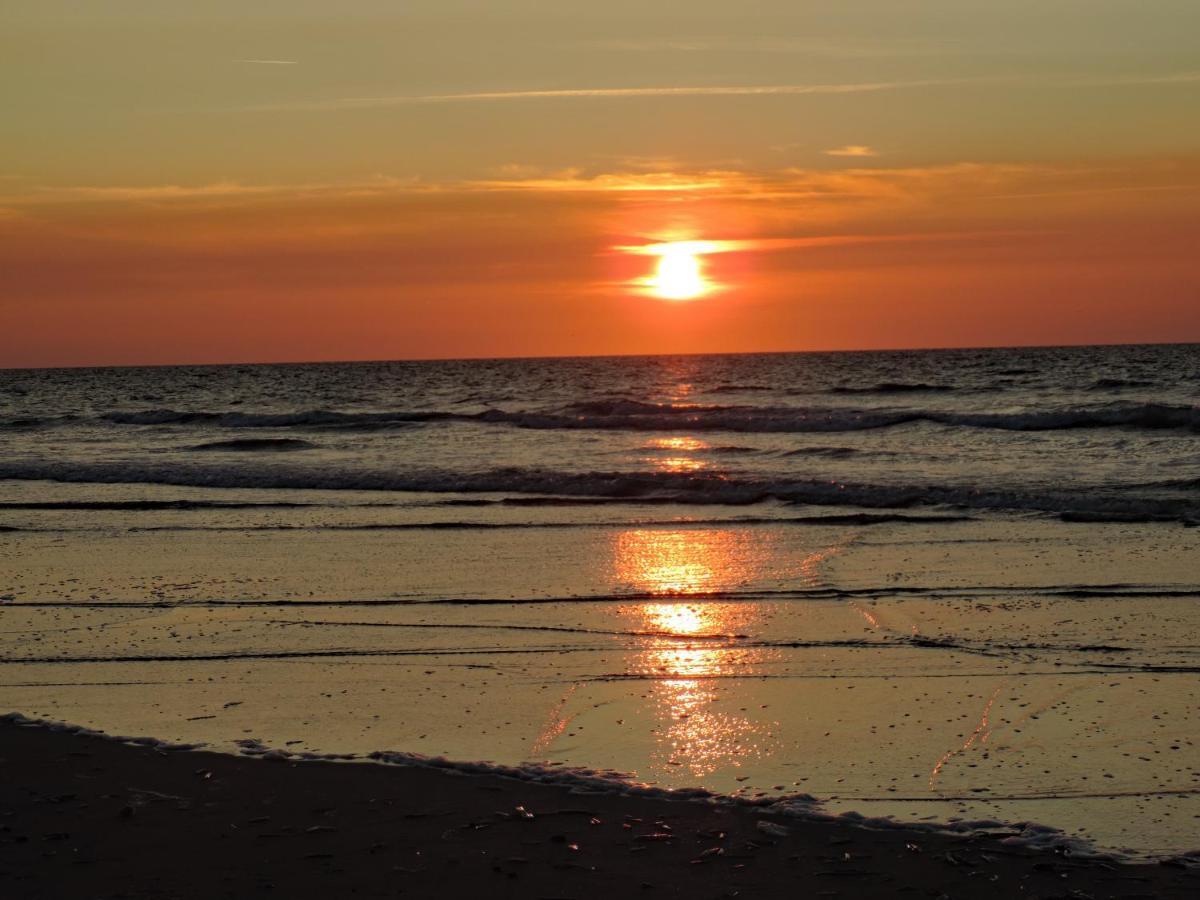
{"x":692,"y":639}
{"x":680,"y":443}
{"x":676,"y":452}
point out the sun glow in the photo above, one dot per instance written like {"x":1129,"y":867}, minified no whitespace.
{"x":679,"y":273}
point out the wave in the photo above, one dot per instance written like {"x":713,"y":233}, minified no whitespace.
{"x":146,"y":505}
{"x":1116,"y":515}
{"x":728,"y":388}
{"x":1181,"y":484}
{"x":893,"y":387}
{"x":827,"y":452}
{"x":256,"y":444}
{"x":847,"y":519}
{"x":1107,"y":384}
{"x":634,"y":415}
{"x":883,"y":387}
{"x":1097,"y":504}
{"x":314,"y":418}
{"x":34,"y":422}
{"x":637,"y":416}
{"x":1153,"y":416}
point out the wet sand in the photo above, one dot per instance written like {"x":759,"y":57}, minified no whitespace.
{"x":84,"y":816}
{"x":1007,"y":669}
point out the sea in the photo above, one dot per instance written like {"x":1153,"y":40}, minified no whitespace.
{"x":957,"y":588}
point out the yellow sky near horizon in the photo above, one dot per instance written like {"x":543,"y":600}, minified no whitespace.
{"x":270,"y":181}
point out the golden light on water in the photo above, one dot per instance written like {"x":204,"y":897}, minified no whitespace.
{"x":692,"y":640}
{"x":679,"y":618}
{"x":685,"y":561}
{"x":671,"y":454}
{"x":683,"y":443}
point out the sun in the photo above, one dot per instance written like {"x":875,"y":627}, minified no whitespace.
{"x":680,"y":274}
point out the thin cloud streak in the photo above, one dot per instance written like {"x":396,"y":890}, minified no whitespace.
{"x":752,"y":245}
{"x":269,"y":62}
{"x":217,"y":190}
{"x":851,"y":150}
{"x":765,"y":90}
{"x":611,"y":182}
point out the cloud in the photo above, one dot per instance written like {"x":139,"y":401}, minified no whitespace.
{"x":574,"y":180}
{"x":851,"y":150}
{"x":823,"y":198}
{"x":215,"y":190}
{"x":668,"y":91}
{"x":813,"y":186}
{"x":808,"y":242}
{"x":765,"y":90}
{"x":155,"y":191}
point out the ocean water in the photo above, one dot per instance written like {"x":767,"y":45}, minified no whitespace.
{"x":927,"y":585}
{"x":1105,"y":433}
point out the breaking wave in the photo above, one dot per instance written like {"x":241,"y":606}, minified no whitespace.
{"x":1113,"y":503}
{"x":633,"y":415}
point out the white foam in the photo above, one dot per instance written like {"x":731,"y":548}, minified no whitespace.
{"x":17,"y":718}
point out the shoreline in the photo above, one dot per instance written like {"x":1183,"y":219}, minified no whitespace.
{"x":82,"y":814}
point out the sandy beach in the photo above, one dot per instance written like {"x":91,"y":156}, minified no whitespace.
{"x":84,"y":816}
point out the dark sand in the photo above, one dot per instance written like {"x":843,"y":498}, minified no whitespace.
{"x":81,"y":816}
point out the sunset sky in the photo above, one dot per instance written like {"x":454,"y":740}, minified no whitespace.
{"x":302,"y":180}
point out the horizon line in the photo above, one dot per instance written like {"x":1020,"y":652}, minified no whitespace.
{"x":564,"y":356}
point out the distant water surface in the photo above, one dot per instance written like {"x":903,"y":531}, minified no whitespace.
{"x":1107,"y":433}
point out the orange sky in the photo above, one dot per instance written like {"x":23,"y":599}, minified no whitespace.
{"x":875,"y":203}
